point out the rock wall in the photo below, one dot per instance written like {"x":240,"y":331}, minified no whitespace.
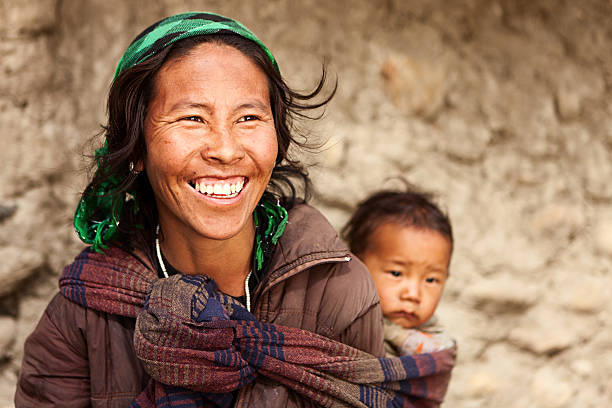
{"x":503,"y":108}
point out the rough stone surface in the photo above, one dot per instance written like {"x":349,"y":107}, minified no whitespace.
{"x":503,"y":294}
{"x":588,"y":295}
{"x":16,"y":266}
{"x":6,"y":211}
{"x":28,"y":16}
{"x":414,"y":86}
{"x":481,"y":384}
{"x":7,"y":334}
{"x":549,"y":390}
{"x":543,"y":331}
{"x":8,"y":378}
{"x":503,"y":108}
{"x":602,"y":234}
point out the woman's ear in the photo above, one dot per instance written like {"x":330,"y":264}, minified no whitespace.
{"x":139,"y":166}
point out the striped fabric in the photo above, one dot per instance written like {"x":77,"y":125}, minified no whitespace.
{"x":178,"y":27}
{"x":199,"y":345}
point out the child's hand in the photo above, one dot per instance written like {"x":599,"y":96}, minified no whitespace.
{"x":414,"y":341}
{"x":418,"y":342}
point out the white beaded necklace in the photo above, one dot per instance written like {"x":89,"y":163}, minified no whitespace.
{"x":159,"y":257}
{"x":162,"y":265}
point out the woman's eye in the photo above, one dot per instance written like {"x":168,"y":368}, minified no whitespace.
{"x":395,"y":274}
{"x":248,"y":118}
{"x":193,"y":119}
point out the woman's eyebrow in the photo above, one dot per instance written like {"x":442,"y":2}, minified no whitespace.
{"x":255,"y":104}
{"x":193,"y":105}
{"x":206,"y":107}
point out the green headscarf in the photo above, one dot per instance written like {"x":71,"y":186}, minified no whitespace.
{"x":96,"y":218}
{"x":175,"y":28}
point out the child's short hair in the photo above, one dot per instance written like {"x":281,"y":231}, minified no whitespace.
{"x":410,"y":208}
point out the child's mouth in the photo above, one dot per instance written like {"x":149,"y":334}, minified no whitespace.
{"x":407,"y":315}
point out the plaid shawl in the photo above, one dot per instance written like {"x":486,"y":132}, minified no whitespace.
{"x":198,"y":344}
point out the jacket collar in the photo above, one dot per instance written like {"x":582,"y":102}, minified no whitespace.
{"x":308,"y":240}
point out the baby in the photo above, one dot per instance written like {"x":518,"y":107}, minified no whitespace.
{"x":406,"y":242}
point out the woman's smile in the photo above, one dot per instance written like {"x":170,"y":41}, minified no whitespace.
{"x":211,"y":143}
{"x":219,"y":188}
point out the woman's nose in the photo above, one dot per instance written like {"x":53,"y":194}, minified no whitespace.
{"x":222,"y":146}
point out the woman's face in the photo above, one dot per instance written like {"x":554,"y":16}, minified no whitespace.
{"x":211,"y":142}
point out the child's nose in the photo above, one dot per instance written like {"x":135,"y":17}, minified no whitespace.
{"x":411,"y":291}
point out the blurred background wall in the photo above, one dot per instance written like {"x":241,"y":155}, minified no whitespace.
{"x":502,"y":108}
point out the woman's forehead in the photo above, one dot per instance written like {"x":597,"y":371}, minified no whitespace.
{"x":212,"y":73}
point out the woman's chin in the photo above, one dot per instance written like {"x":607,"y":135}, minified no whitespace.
{"x":224,"y":227}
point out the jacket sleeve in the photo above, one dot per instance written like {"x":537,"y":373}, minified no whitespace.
{"x":55,"y":368}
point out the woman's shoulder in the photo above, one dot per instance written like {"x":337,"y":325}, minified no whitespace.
{"x":347,"y":304}
{"x":309,"y":233}
{"x":62,"y":310}
{"x":332,"y":292}
{"x":310,"y":241}
{"x":309,"y":217}
{"x":349,"y":290}
{"x":303,"y":212}
{"x":68,"y":316}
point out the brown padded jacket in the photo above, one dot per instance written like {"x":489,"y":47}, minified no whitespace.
{"x":79,"y":357}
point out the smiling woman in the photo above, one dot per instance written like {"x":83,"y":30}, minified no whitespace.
{"x":208,"y":281}
{"x":209,"y":130}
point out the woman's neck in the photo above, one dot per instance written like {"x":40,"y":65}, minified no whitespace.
{"x":228,"y":262}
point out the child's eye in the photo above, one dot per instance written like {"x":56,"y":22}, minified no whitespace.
{"x":395,"y":274}
{"x":246,"y":118}
{"x":432,"y":280}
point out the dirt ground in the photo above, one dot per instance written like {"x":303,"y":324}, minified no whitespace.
{"x":502,"y":108}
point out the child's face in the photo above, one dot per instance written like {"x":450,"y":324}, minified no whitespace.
{"x":409,"y":267}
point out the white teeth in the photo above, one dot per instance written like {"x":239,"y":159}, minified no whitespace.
{"x":220,"y":189}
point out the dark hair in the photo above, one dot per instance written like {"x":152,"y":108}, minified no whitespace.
{"x":128,"y":101}
{"x":409,"y":208}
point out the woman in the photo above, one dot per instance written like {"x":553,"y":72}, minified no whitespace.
{"x":198,"y":242}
